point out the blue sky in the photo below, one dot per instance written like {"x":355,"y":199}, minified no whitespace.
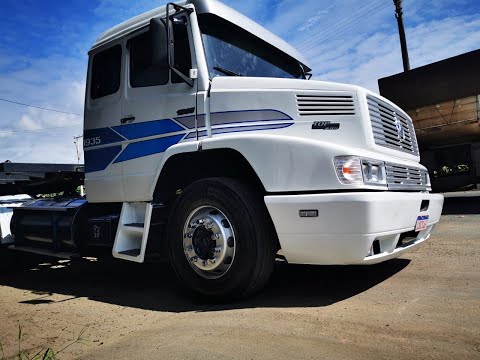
{"x":44,"y":45}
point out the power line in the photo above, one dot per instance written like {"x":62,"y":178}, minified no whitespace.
{"x":341,"y":28}
{"x":379,"y":9}
{"x":337,"y":24}
{"x":39,"y":107}
{"x":344,"y":28}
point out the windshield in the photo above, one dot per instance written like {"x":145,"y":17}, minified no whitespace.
{"x":232,"y":51}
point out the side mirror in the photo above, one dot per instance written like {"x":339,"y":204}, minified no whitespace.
{"x":158,"y":33}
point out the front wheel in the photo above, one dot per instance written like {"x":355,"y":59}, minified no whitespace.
{"x":221,"y":240}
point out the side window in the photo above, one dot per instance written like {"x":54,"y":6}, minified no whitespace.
{"x":142,"y":72}
{"x":106,"y":69}
{"x":182,"y":57}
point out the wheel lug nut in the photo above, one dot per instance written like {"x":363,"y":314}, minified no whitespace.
{"x":188,"y":248}
{"x":205,"y":262}
{"x":218,"y":249}
{"x":216,"y":236}
{"x":200,"y":221}
{"x":209,"y":226}
{"x":212,"y":261}
{"x":194,"y":259}
{"x":188,"y":235}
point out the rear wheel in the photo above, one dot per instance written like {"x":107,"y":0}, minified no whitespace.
{"x":221,"y":239}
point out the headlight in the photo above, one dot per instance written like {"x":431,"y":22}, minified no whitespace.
{"x":374,"y":172}
{"x":352,"y":170}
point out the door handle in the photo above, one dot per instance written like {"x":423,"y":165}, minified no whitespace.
{"x":127,"y":119}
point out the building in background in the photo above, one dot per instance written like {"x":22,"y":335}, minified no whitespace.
{"x":443,"y":100}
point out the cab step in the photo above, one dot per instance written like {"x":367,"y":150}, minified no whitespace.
{"x":132,"y":232}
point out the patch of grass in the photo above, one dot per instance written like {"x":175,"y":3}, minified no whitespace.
{"x":43,"y":354}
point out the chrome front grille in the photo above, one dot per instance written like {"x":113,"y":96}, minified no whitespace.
{"x":400,"y":177}
{"x":391,"y":127}
{"x":309,"y":105}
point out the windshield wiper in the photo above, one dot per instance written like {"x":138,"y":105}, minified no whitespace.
{"x":225,"y":71}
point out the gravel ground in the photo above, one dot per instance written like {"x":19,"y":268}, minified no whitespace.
{"x":424,"y":305}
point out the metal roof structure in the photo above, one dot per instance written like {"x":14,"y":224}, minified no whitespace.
{"x":453,"y":78}
{"x":442,"y":98}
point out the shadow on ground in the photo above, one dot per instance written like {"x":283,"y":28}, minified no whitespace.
{"x":461,"y":205}
{"x":153,"y":286}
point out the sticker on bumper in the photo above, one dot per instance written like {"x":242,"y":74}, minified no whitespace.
{"x":422,"y":223}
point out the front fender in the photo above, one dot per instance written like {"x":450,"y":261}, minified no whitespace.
{"x":284,"y":163}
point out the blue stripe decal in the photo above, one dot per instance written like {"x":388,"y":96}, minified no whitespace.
{"x":225,"y":130}
{"x":99,"y":159}
{"x":149,"y":128}
{"x":148,"y":147}
{"x":100,"y":136}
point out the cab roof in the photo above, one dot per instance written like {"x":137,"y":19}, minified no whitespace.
{"x":204,"y":7}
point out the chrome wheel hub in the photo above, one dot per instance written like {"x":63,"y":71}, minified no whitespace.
{"x":209,"y":242}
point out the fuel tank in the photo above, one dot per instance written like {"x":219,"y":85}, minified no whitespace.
{"x":64,"y":223}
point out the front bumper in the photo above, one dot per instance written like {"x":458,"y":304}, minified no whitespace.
{"x":348,"y":224}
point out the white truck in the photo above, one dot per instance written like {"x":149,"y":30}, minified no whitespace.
{"x":205,"y":138}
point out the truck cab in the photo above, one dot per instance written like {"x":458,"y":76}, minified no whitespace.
{"x":199,"y":119}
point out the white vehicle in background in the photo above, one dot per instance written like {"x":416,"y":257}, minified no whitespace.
{"x":7,"y":203}
{"x":205,"y":130}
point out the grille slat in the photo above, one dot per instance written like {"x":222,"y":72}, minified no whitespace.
{"x":405,"y":178}
{"x":379,"y":125}
{"x":386,"y":121}
{"x":391,"y":134}
{"x":379,"y":122}
{"x":309,"y":105}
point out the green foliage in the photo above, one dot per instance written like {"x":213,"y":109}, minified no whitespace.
{"x":43,"y":354}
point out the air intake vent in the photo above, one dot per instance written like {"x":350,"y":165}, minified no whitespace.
{"x":406,"y":178}
{"x":391,"y":127}
{"x":315,"y":105}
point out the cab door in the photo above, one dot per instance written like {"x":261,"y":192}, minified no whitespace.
{"x":154,"y":97}
{"x":103,"y":110}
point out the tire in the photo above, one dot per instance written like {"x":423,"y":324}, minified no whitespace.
{"x":240,"y":270}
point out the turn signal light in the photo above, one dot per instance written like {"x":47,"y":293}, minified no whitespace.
{"x":349,"y":169}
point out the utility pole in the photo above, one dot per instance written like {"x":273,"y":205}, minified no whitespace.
{"x":75,"y":141}
{"x":401,"y":32}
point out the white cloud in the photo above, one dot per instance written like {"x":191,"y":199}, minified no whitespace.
{"x":28,"y":123}
{"x":379,"y":55}
{"x":310,"y":22}
{"x":34,"y":135}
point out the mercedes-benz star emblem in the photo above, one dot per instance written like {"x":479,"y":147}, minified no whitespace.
{"x":398,"y":125}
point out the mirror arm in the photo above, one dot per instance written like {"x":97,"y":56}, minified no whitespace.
{"x":170,"y":42}
{"x":184,"y":78}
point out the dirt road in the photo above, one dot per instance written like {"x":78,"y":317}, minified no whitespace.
{"x":425,"y":305}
